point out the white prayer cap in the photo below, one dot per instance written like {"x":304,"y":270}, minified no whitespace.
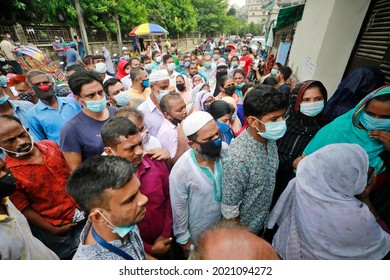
{"x":124,"y":49}
{"x":159,"y":75}
{"x":195,"y":121}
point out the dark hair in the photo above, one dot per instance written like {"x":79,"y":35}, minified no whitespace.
{"x":166,"y":57}
{"x":126,"y":112}
{"x":75,"y":67}
{"x":116,"y":127}
{"x":227,"y":50}
{"x":108,"y":83}
{"x":98,"y":56}
{"x":382,"y":98}
{"x":154,"y":54}
{"x":220,"y":108}
{"x":321,"y":87}
{"x":278,"y":64}
{"x":132,"y":59}
{"x":145,"y":58}
{"x":235,"y":57}
{"x":270,"y":80}
{"x":240,"y":71}
{"x":223,"y":80}
{"x":245,"y":88}
{"x":164,"y":103}
{"x":89,"y":182}
{"x":136,"y":72}
{"x":11,"y":118}
{"x":75,"y":37}
{"x":88,"y":59}
{"x":262,"y":100}
{"x":286,"y":72}
{"x":76,"y":82}
{"x":217,"y":49}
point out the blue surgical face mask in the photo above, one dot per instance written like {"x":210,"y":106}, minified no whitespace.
{"x":171,"y":66}
{"x":240,"y":85}
{"x":234,"y":64}
{"x":312,"y":109}
{"x":207,"y":65}
{"x":273,"y":130}
{"x":187,"y":64}
{"x":148,"y":66}
{"x":122,"y":98}
{"x":145,"y":83}
{"x":371,"y":123}
{"x":96,"y":105}
{"x":3,"y":98}
{"x":274,"y":72}
{"x":121,"y":231}
{"x":223,"y":127}
{"x":158,"y":59}
{"x":2,"y":59}
{"x":126,"y":57}
{"x":234,"y":116}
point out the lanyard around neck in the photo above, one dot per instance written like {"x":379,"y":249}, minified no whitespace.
{"x":110,"y":247}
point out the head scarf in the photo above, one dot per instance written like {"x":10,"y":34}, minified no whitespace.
{"x":121,"y":69}
{"x":200,"y":98}
{"x":347,"y":129}
{"x":187,"y":94}
{"x":358,"y":84}
{"x":300,"y":128}
{"x":319,"y":216}
{"x":107,"y":56}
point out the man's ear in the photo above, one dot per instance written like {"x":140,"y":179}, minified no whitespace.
{"x":95,"y":217}
{"x":192,"y":145}
{"x":108,"y":151}
{"x":167,"y":116}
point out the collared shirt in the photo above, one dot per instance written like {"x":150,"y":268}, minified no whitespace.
{"x":172,"y":78}
{"x":194,"y":204}
{"x":154,"y":178}
{"x":153,"y":116}
{"x":17,"y":241}
{"x":167,"y":135}
{"x":58,"y":46}
{"x":208,"y":73}
{"x":72,"y":56}
{"x":42,"y":186}
{"x":7,"y":48}
{"x":46,"y":122}
{"x":127,"y":82}
{"x":20,"y":109}
{"x":132,"y":247}
{"x":135,"y":94}
{"x":81,"y":134}
{"x":249,"y":181}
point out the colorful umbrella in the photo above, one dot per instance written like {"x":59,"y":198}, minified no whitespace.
{"x":148,"y":28}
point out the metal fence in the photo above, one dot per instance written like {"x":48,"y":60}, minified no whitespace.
{"x":40,"y":35}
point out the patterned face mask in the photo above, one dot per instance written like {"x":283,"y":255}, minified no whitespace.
{"x":26,"y":96}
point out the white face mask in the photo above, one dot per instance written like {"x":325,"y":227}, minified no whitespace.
{"x":158,"y":59}
{"x":312,"y":109}
{"x":127,"y":71}
{"x":17,"y":154}
{"x":171,"y":66}
{"x":101,"y":67}
{"x":160,"y":95}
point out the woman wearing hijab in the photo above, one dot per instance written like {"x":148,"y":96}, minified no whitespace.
{"x":367,"y":125}
{"x":319,"y":215}
{"x":183,"y":86}
{"x":203,"y":100}
{"x":222,"y":113}
{"x":358,"y":84}
{"x":123,"y":69}
{"x":304,"y":119}
{"x":235,"y":124}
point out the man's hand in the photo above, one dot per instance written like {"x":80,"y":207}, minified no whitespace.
{"x":297,"y":161}
{"x":58,"y":230}
{"x":158,"y":154}
{"x":161,"y":245}
{"x":381,"y":135}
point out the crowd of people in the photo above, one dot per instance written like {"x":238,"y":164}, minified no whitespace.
{"x":212,"y":153}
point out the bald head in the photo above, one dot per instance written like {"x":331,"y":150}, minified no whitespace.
{"x":230,"y":241}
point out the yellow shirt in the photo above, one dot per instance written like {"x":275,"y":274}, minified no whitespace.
{"x":135,"y":94}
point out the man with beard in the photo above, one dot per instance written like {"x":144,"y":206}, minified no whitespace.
{"x":41,"y":173}
{"x":196,"y":181}
{"x":174,"y":109}
{"x":46,"y":118}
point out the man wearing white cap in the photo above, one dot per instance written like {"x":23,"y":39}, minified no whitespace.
{"x":196,"y":180}
{"x":159,"y":84}
{"x":101,"y":68}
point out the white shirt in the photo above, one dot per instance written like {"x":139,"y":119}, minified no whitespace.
{"x":192,"y":198}
{"x":153,"y":116}
{"x":167,"y":135}
{"x":127,"y":82}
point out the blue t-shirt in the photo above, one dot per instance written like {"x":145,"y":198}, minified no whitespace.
{"x":72,"y":55}
{"x":81,"y":134}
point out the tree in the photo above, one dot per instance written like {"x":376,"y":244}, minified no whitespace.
{"x":232,"y":12}
{"x":211,"y":15}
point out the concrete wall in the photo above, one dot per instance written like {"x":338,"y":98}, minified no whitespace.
{"x":324,"y":40}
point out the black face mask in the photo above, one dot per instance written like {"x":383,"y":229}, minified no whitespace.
{"x":44,"y":92}
{"x":211,"y":149}
{"x":26,"y":96}
{"x":230,"y":90}
{"x":180,"y":87}
{"x":7,"y":185}
{"x":220,"y":75}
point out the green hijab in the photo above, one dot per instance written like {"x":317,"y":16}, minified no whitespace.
{"x":347,"y":129}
